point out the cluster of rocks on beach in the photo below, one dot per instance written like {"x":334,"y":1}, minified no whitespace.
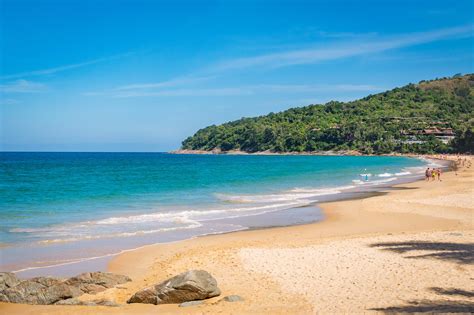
{"x":49,"y":290}
{"x":189,"y":288}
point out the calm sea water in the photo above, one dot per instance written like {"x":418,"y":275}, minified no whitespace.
{"x":80,"y":205}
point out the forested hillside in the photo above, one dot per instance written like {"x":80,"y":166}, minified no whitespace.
{"x":431,"y":116}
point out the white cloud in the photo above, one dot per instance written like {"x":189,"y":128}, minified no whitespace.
{"x":243,"y":90}
{"x":169,"y":83}
{"x":61,"y":68}
{"x":22,"y":86}
{"x":326,"y":34}
{"x":317,"y":88}
{"x":340,"y":50}
{"x":353,"y":45}
{"x":184,"y":92}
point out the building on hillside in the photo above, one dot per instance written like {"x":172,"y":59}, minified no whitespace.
{"x":445,"y":135}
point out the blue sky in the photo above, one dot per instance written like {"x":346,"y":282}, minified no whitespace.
{"x":142,"y":75}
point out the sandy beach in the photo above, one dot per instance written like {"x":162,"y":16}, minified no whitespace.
{"x":410,"y":249}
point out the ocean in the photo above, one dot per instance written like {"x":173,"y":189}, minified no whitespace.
{"x":69,"y":209}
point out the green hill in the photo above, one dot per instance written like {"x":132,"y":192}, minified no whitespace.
{"x":431,"y":116}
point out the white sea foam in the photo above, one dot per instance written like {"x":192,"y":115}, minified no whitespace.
{"x":402,"y":173}
{"x":381,"y":181}
{"x":374,"y":182}
{"x":125,"y":234}
{"x":294,"y":194}
{"x":385,"y":175}
{"x":84,"y":259}
{"x":273,"y":198}
{"x":179,"y":220}
{"x":321,"y":191}
{"x":416,"y":169}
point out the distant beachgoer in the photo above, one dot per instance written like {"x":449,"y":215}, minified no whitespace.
{"x":433,"y":174}
{"x":427,"y":174}
{"x":439,"y":174}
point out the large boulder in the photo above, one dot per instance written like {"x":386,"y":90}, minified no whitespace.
{"x":47,"y":290}
{"x":40,"y":290}
{"x":187,"y":286}
{"x":8,"y":280}
{"x":94,"y":282}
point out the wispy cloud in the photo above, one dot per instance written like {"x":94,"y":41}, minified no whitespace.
{"x":184,"y":92}
{"x":169,"y":83}
{"x":242,"y":90}
{"x":22,"y":86}
{"x":340,"y":50}
{"x":50,"y":71}
{"x":349,"y":45}
{"x":326,"y":34}
{"x":297,"y":88}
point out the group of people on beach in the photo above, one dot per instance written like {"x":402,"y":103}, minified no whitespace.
{"x":432,"y":174}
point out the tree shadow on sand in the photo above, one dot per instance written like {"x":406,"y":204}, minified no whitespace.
{"x":424,"y":306}
{"x":461,"y":253}
{"x":453,"y":292}
{"x":439,"y":306}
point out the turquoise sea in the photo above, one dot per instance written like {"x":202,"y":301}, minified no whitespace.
{"x":57,"y":209}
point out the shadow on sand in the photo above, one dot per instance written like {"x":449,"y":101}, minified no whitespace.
{"x":439,"y":306}
{"x":453,"y":292}
{"x":461,"y":253}
{"x":424,"y":306}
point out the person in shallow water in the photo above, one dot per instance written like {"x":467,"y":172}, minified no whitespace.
{"x":427,"y":174}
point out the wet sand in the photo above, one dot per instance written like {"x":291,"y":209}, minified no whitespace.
{"x":408,"y":250}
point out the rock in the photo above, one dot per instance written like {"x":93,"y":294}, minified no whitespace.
{"x":106,"y":303}
{"x":232,"y":298}
{"x":47,"y":290}
{"x":40,"y":290}
{"x":187,"y":286}
{"x":191,"y":303}
{"x":75,"y":301}
{"x":94,"y":282}
{"x":8,"y":280}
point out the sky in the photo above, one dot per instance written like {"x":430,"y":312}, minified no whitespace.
{"x":140,"y":75}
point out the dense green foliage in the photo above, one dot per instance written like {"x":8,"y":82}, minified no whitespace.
{"x":381,"y":123}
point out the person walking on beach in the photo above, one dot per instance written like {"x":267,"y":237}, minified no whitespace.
{"x":427,"y":174}
{"x":439,"y":174}
{"x":433,"y":174}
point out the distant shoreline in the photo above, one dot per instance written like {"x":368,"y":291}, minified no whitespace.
{"x":239,"y":152}
{"x":312,"y":153}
